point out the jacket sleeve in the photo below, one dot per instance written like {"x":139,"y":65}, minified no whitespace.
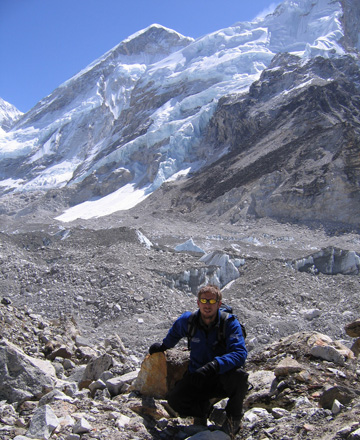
{"x":177,"y":331}
{"x":236,"y":352}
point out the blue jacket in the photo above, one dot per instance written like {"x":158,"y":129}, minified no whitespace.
{"x":204,"y":346}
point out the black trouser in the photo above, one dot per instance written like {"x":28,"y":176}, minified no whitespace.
{"x":191,"y":395}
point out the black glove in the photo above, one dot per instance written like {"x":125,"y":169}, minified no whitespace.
{"x":208,"y":370}
{"x":157,"y":348}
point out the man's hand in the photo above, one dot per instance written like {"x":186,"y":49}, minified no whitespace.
{"x":208,"y":370}
{"x":157,"y":348}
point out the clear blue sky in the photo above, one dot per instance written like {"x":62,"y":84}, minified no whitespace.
{"x":45,"y":42}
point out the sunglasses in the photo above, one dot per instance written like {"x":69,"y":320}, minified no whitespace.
{"x":205,"y":301}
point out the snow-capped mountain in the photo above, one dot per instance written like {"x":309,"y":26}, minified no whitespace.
{"x":138,"y":116}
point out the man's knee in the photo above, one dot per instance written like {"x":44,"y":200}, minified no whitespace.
{"x":236,"y":381}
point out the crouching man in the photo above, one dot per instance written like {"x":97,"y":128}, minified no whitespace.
{"x":215,"y":362}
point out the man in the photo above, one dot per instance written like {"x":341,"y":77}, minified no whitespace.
{"x":215,"y":366}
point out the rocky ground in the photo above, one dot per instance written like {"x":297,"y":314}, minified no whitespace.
{"x":106,"y":279}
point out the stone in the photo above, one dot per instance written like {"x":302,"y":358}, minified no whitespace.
{"x":43,"y":423}
{"x":82,"y":426}
{"x":287,"y":366}
{"x":63,"y":352}
{"x":353,"y":329}
{"x":341,"y":393}
{"x":23,"y":377}
{"x":73,"y":437}
{"x":355,"y":435}
{"x":311,"y":314}
{"x":278,"y":413}
{"x":97,"y":385}
{"x":336,"y":407}
{"x":355,"y":348}
{"x":95,"y":368}
{"x":151,"y":380}
{"x":159,"y":372}
{"x":115,"y":385}
{"x":122,"y":421}
{"x":148,"y":406}
{"x":330,"y":353}
{"x":54,"y":395}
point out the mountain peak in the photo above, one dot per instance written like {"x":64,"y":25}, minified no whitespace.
{"x":9,"y":114}
{"x":153,"y":40}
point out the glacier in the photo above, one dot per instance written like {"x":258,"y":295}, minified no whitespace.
{"x":144,"y":105}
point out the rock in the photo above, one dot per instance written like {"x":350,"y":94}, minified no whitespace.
{"x":343,"y":394}
{"x":116,"y":343}
{"x":52,"y":396}
{"x":122,"y":421}
{"x":311,"y":314}
{"x":148,"y":406}
{"x":325,"y":348}
{"x":353,"y":329}
{"x":328,"y":353}
{"x":336,"y":407}
{"x":82,"y":426}
{"x":115,"y":385}
{"x":119,"y":384}
{"x":151,"y":380}
{"x":73,"y":437}
{"x":287,"y":366}
{"x":97,"y":385}
{"x":280,"y":412}
{"x":63,"y":352}
{"x":95,"y":368}
{"x":85,"y":353}
{"x":255,"y":414}
{"x":43,"y":423}
{"x":355,"y":348}
{"x":23,"y":377}
{"x":160,"y":371}
{"x":355,"y":435}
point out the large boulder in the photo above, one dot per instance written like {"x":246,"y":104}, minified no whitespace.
{"x":23,"y":377}
{"x":160,"y":371}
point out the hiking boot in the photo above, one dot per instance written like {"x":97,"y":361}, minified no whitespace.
{"x":200,"y":421}
{"x":231,"y":426}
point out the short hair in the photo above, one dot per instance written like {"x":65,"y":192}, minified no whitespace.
{"x":212,"y":289}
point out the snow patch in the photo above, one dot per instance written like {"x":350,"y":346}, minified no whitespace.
{"x":120,"y":200}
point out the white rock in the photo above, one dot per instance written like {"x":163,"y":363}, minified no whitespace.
{"x":122,"y":421}
{"x":328,"y":353}
{"x":336,"y":407}
{"x":82,"y":426}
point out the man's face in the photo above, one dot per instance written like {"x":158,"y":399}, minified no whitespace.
{"x":208,"y":311}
